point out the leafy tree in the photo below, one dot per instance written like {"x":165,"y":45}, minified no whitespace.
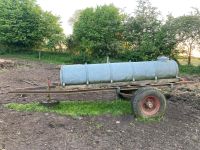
{"x":187,"y":29}
{"x":23,"y":24}
{"x":56,"y":42}
{"x":141,"y":30}
{"x":166,"y":39}
{"x":75,"y":17}
{"x":53,"y":33}
{"x":70,"y":42}
{"x":98,"y":31}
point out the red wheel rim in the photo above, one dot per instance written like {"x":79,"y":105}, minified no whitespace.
{"x":150,"y":105}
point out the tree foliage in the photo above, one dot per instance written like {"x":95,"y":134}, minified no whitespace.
{"x":148,"y":37}
{"x":24,"y":24}
{"x":104,"y":31}
{"x":98,"y":31}
{"x":53,"y":33}
{"x":75,"y":17}
{"x":187,"y":30}
{"x":166,"y":39}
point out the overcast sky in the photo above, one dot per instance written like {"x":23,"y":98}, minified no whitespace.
{"x":66,"y":8}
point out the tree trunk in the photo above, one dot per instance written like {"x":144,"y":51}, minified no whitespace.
{"x":190,"y":54}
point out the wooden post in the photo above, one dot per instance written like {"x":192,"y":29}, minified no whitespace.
{"x":108,"y":59}
{"x":39,"y":55}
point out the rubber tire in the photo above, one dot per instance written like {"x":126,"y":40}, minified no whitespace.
{"x":142,"y":89}
{"x":140,"y":94}
{"x":136,"y":93}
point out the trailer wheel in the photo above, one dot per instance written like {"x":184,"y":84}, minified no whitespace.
{"x":148,"y":102}
{"x":142,"y":89}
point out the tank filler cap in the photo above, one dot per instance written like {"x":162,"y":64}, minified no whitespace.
{"x":163,"y":58}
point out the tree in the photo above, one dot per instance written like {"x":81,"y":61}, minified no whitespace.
{"x":53,"y":33}
{"x":98,"y":31}
{"x":23,"y":24}
{"x":56,"y":42}
{"x":142,"y":29}
{"x":75,"y":17}
{"x":187,"y":29}
{"x":70,"y":42}
{"x":166,"y":41}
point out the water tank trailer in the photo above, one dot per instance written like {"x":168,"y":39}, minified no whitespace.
{"x":136,"y":80}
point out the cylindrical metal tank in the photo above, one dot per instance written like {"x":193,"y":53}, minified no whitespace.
{"x":118,"y":72}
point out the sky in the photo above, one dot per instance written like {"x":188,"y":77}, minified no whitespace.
{"x":66,"y":8}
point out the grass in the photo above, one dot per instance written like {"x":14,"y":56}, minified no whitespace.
{"x":53,"y":57}
{"x":83,"y":108}
{"x":189,"y":69}
{"x":194,"y":61}
{"x":193,"y":69}
{"x":77,"y":108}
{"x":49,"y":57}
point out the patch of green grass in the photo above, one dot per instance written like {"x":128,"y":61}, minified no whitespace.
{"x":77,"y":108}
{"x":189,"y":69}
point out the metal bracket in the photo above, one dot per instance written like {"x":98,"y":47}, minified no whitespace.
{"x":118,"y":90}
{"x":111,"y":76}
{"x":87,"y":76}
{"x":156,"y":79}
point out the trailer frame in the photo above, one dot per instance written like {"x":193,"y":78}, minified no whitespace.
{"x":123,"y":90}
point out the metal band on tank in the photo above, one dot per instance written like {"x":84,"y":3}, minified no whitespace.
{"x":61,"y":76}
{"x":111,"y":75}
{"x":177,"y":69}
{"x":133,"y":70}
{"x":86,"y":72}
{"x":156,"y":71}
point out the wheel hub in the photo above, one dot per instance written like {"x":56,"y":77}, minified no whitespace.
{"x":150,"y":105}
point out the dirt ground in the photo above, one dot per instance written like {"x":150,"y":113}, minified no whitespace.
{"x":179,"y":130}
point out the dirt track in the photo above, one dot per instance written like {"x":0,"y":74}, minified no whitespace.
{"x":180,"y":129}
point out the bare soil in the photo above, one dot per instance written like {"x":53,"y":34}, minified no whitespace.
{"x":179,"y":129}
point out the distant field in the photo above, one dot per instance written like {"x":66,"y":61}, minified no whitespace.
{"x":194,"y":61}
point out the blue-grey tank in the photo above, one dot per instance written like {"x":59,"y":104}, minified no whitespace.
{"x":118,"y":72}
